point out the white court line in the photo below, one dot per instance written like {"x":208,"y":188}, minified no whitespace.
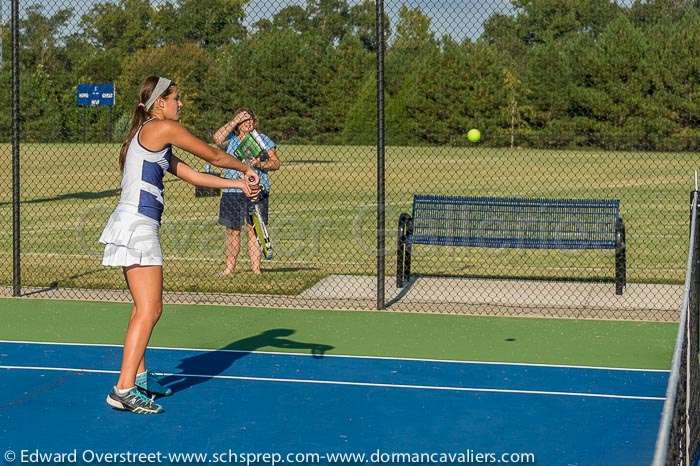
{"x":355,"y":384}
{"x":348,"y":356}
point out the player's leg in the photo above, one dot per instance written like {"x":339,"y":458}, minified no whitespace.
{"x":146,"y":286}
{"x":145,"y":379}
{"x":142,"y":364}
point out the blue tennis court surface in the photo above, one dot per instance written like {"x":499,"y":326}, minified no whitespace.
{"x":52,"y":399}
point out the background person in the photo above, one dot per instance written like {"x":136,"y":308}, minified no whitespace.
{"x":233,"y":208}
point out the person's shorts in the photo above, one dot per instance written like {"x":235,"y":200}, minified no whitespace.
{"x":233,"y":209}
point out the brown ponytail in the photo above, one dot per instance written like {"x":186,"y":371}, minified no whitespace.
{"x":140,"y":115}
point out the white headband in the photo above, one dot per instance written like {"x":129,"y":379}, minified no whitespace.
{"x":161,"y":86}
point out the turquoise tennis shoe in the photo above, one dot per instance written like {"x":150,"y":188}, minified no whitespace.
{"x":150,"y":382}
{"x":134,"y":400}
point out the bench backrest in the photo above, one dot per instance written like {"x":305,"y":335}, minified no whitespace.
{"x":515,"y":222}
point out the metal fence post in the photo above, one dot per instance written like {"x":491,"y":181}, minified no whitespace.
{"x":380,"y":156}
{"x":16,"y":266}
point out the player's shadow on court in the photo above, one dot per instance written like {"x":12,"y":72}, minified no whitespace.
{"x":204,"y":366}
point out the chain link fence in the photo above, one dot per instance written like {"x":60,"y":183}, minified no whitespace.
{"x":576,"y":99}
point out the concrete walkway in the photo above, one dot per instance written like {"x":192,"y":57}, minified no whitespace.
{"x":512,"y":297}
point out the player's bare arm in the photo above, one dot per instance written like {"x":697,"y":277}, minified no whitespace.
{"x":194,"y":177}
{"x":172,"y":132}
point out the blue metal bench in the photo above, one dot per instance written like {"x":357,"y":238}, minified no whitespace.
{"x":492,"y":222}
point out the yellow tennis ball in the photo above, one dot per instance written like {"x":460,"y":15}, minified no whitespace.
{"x":474,"y":135}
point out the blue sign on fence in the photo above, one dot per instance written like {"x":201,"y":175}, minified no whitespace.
{"x":96,"y":95}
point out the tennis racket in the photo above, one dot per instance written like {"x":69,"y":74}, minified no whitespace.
{"x":262,"y":236}
{"x":252,"y":146}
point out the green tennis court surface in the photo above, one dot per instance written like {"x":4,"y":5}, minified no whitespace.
{"x":548,"y":341}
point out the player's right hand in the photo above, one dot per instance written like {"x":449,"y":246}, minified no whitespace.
{"x":251,"y":188}
{"x":252,"y":176}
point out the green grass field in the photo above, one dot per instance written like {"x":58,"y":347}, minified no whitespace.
{"x":323,"y":214}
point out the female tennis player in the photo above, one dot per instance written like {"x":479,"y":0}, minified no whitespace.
{"x":132,"y":237}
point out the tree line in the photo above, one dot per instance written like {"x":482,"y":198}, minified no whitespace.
{"x":553,"y":74}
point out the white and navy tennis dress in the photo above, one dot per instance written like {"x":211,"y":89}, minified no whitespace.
{"x":132,"y":234}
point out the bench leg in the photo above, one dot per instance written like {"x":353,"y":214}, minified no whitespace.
{"x":399,"y":263}
{"x":620,"y":271}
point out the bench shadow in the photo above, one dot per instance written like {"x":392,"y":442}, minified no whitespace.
{"x":209,"y":364}
{"x":404,"y":291}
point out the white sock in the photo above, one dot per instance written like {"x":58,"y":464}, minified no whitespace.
{"x":122,"y":392}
